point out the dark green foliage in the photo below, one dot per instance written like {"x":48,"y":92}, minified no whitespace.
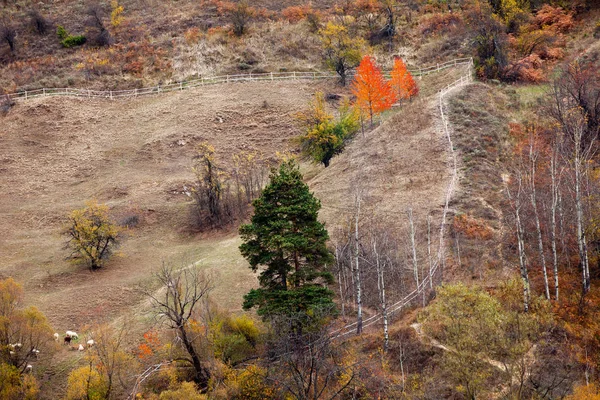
{"x":286,"y":238}
{"x":72,"y":41}
{"x":300,"y":300}
{"x":67,"y":40}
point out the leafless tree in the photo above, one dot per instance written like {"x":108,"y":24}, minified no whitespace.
{"x":533,"y":159}
{"x":182,"y":292}
{"x":517,"y":206}
{"x":357,"y":272}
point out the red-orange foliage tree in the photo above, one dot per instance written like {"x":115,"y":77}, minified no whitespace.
{"x":402,"y":82}
{"x":373,"y":93}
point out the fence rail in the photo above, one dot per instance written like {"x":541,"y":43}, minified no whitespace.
{"x":203,"y":81}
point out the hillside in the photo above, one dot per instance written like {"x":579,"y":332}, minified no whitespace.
{"x":381,"y":199}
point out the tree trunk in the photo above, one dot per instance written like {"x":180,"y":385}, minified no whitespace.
{"x":201,"y":374}
{"x":533,"y":198}
{"x":520,"y":241}
{"x":555,"y":190}
{"x":581,"y":240}
{"x":414,"y":247}
{"x":359,"y":317}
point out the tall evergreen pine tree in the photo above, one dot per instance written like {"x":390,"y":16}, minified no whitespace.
{"x":288,"y":243}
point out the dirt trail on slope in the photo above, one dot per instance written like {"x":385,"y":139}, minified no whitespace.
{"x":402,"y":164}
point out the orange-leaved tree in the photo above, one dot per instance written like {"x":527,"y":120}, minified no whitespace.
{"x":373,"y":93}
{"x":402,"y":82}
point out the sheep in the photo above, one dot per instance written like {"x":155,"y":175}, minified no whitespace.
{"x":67,"y":340}
{"x":35,"y":352}
{"x":28,"y":368}
{"x":90,"y":342}
{"x":56,"y":337}
{"x":80,"y":348}
{"x":72,"y":335}
{"x":12,"y":353}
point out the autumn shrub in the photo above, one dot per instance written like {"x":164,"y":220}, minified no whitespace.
{"x":86,"y":383}
{"x":223,"y":194}
{"x":253,"y":384}
{"x":239,"y":14}
{"x":295,"y":14}
{"x":439,"y":23}
{"x":15,"y":386}
{"x":553,"y":18}
{"x":183,"y":390}
{"x":527,"y":69}
{"x":39,"y":23}
{"x":6,"y":103}
{"x":8,"y":34}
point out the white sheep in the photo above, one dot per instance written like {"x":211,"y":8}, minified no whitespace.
{"x":90,"y":342}
{"x":35,"y":352}
{"x":56,"y":337}
{"x":28,"y":368}
{"x":80,"y":348}
{"x":72,"y":335}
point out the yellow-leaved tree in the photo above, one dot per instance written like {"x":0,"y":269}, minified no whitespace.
{"x":92,"y":234}
{"x":342,"y":51}
{"x":24,"y":333}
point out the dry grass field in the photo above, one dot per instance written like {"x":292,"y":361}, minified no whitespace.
{"x":135,"y":155}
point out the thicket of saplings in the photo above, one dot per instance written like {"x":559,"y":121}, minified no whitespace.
{"x":223,"y":194}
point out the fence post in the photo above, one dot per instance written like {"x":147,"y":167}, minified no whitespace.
{"x":180,"y":85}
{"x":227,"y":78}
{"x":26,"y":95}
{"x":294,"y":75}
{"x":271,"y":75}
{"x":111,"y":96}
{"x":158,"y":88}
{"x":44,"y":92}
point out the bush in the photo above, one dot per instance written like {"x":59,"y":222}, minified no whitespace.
{"x":38,"y":22}
{"x":72,"y":41}
{"x":61,"y":32}
{"x":6,"y":103}
{"x":8,"y":34}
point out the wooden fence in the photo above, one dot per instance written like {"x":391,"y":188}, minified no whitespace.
{"x":202,"y":81}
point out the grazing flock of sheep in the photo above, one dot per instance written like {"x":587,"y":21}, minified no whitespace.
{"x":69,"y":336}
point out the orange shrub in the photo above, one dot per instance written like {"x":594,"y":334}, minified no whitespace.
{"x":439,"y":23}
{"x":295,"y":14}
{"x":554,"y":18}
{"x":192,"y":35}
{"x":472,"y":227}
